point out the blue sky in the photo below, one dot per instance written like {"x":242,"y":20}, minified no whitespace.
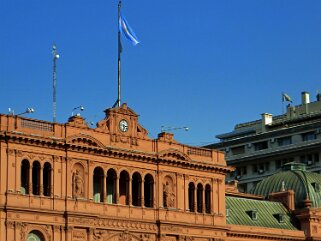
{"x":204,"y":64}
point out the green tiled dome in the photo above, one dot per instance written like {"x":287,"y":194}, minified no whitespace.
{"x":294,"y":177}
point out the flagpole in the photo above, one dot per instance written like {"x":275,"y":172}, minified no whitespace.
{"x":119,"y":53}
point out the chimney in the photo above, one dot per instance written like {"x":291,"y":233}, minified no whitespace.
{"x":266,"y":120}
{"x":305,"y":97}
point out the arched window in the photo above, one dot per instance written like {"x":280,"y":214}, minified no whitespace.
{"x":208,"y":198}
{"x":111,"y":186}
{"x":149,"y":191}
{"x":36,"y":178}
{"x":35,"y":236}
{"x":199,"y":198}
{"x":136,"y":189}
{"x":123,"y":188}
{"x":98,"y":180}
{"x":24,"y":177}
{"x":191,"y":197}
{"x":46,"y":179}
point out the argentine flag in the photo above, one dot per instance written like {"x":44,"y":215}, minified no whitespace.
{"x":127,"y":30}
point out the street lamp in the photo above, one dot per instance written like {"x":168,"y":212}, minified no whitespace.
{"x":27,"y":111}
{"x":81,"y":108}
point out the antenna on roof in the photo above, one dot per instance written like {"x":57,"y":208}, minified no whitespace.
{"x":55,"y":57}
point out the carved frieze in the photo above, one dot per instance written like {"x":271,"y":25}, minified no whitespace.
{"x":111,"y":223}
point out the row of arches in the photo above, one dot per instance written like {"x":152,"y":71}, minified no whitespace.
{"x":35,"y":179}
{"x":123,"y":189}
{"x":113,"y":188}
{"x":199,"y":198}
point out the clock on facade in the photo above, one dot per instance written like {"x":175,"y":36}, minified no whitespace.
{"x":123,"y":126}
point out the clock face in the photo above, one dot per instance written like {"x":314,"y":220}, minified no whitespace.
{"x":123,"y":126}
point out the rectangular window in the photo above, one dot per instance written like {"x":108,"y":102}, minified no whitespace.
{"x":316,"y":157}
{"x":243,"y":170}
{"x":308,"y":136}
{"x":285,"y":141}
{"x":242,"y":187}
{"x":238,"y":150}
{"x":260,"y":145}
{"x":254,"y":168}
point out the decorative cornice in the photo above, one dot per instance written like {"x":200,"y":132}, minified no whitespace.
{"x":165,"y":158}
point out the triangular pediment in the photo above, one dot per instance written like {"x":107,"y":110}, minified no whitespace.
{"x":174,"y":154}
{"x":84,"y":140}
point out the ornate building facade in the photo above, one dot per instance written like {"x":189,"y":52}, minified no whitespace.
{"x":70,"y":182}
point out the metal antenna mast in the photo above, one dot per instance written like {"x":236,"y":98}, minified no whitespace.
{"x":55,"y":57}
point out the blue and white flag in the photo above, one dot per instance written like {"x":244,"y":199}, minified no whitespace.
{"x":127,"y":30}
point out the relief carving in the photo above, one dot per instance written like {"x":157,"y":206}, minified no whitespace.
{"x":57,"y":228}
{"x":10,"y":152}
{"x":125,"y":237}
{"x":31,"y":157}
{"x":19,"y":153}
{"x":79,"y":234}
{"x":10,"y":224}
{"x":56,"y":158}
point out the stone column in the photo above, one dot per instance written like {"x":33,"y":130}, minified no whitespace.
{"x":51,"y":182}
{"x":203,"y":201}
{"x":142,"y":198}
{"x":195,"y":199}
{"x":129,"y":189}
{"x":186,"y":201}
{"x":41,"y":180}
{"x":104,"y":188}
{"x":68,"y":232}
{"x":30,"y":179}
{"x":90,"y":234}
{"x":117,"y":189}
{"x":154,"y":194}
{"x":17,"y":174}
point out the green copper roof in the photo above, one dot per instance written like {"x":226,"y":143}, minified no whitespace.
{"x":240,"y":212}
{"x":294,"y":177}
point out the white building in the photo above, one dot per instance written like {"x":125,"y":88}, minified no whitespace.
{"x":260,"y":148}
